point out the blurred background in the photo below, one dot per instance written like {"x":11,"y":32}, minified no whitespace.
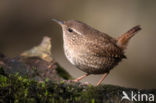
{"x":24,"y":23}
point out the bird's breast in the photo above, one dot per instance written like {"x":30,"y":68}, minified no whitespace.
{"x":69,"y":54}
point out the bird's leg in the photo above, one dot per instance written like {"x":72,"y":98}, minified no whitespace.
{"x":79,"y":78}
{"x":103,"y":77}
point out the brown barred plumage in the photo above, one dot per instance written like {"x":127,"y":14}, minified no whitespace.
{"x":92,"y":51}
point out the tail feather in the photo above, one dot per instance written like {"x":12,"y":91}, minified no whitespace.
{"x":122,"y":41}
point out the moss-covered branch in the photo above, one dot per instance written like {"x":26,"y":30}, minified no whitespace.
{"x":17,"y":89}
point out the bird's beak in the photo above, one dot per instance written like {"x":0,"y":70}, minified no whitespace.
{"x":58,"y":21}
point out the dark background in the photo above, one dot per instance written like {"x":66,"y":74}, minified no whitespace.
{"x":24,"y":23}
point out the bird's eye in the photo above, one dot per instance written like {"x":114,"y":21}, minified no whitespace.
{"x":70,"y":30}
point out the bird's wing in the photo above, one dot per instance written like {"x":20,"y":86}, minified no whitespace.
{"x":104,"y":48}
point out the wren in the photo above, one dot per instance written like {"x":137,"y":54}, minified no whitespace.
{"x":92,"y":51}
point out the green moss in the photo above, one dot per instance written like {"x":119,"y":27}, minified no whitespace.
{"x":22,"y":90}
{"x":17,"y":89}
{"x":4,"y":81}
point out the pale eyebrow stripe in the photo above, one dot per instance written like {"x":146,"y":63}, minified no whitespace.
{"x":76,"y":31}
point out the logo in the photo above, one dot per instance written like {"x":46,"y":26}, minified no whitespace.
{"x":137,"y":96}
